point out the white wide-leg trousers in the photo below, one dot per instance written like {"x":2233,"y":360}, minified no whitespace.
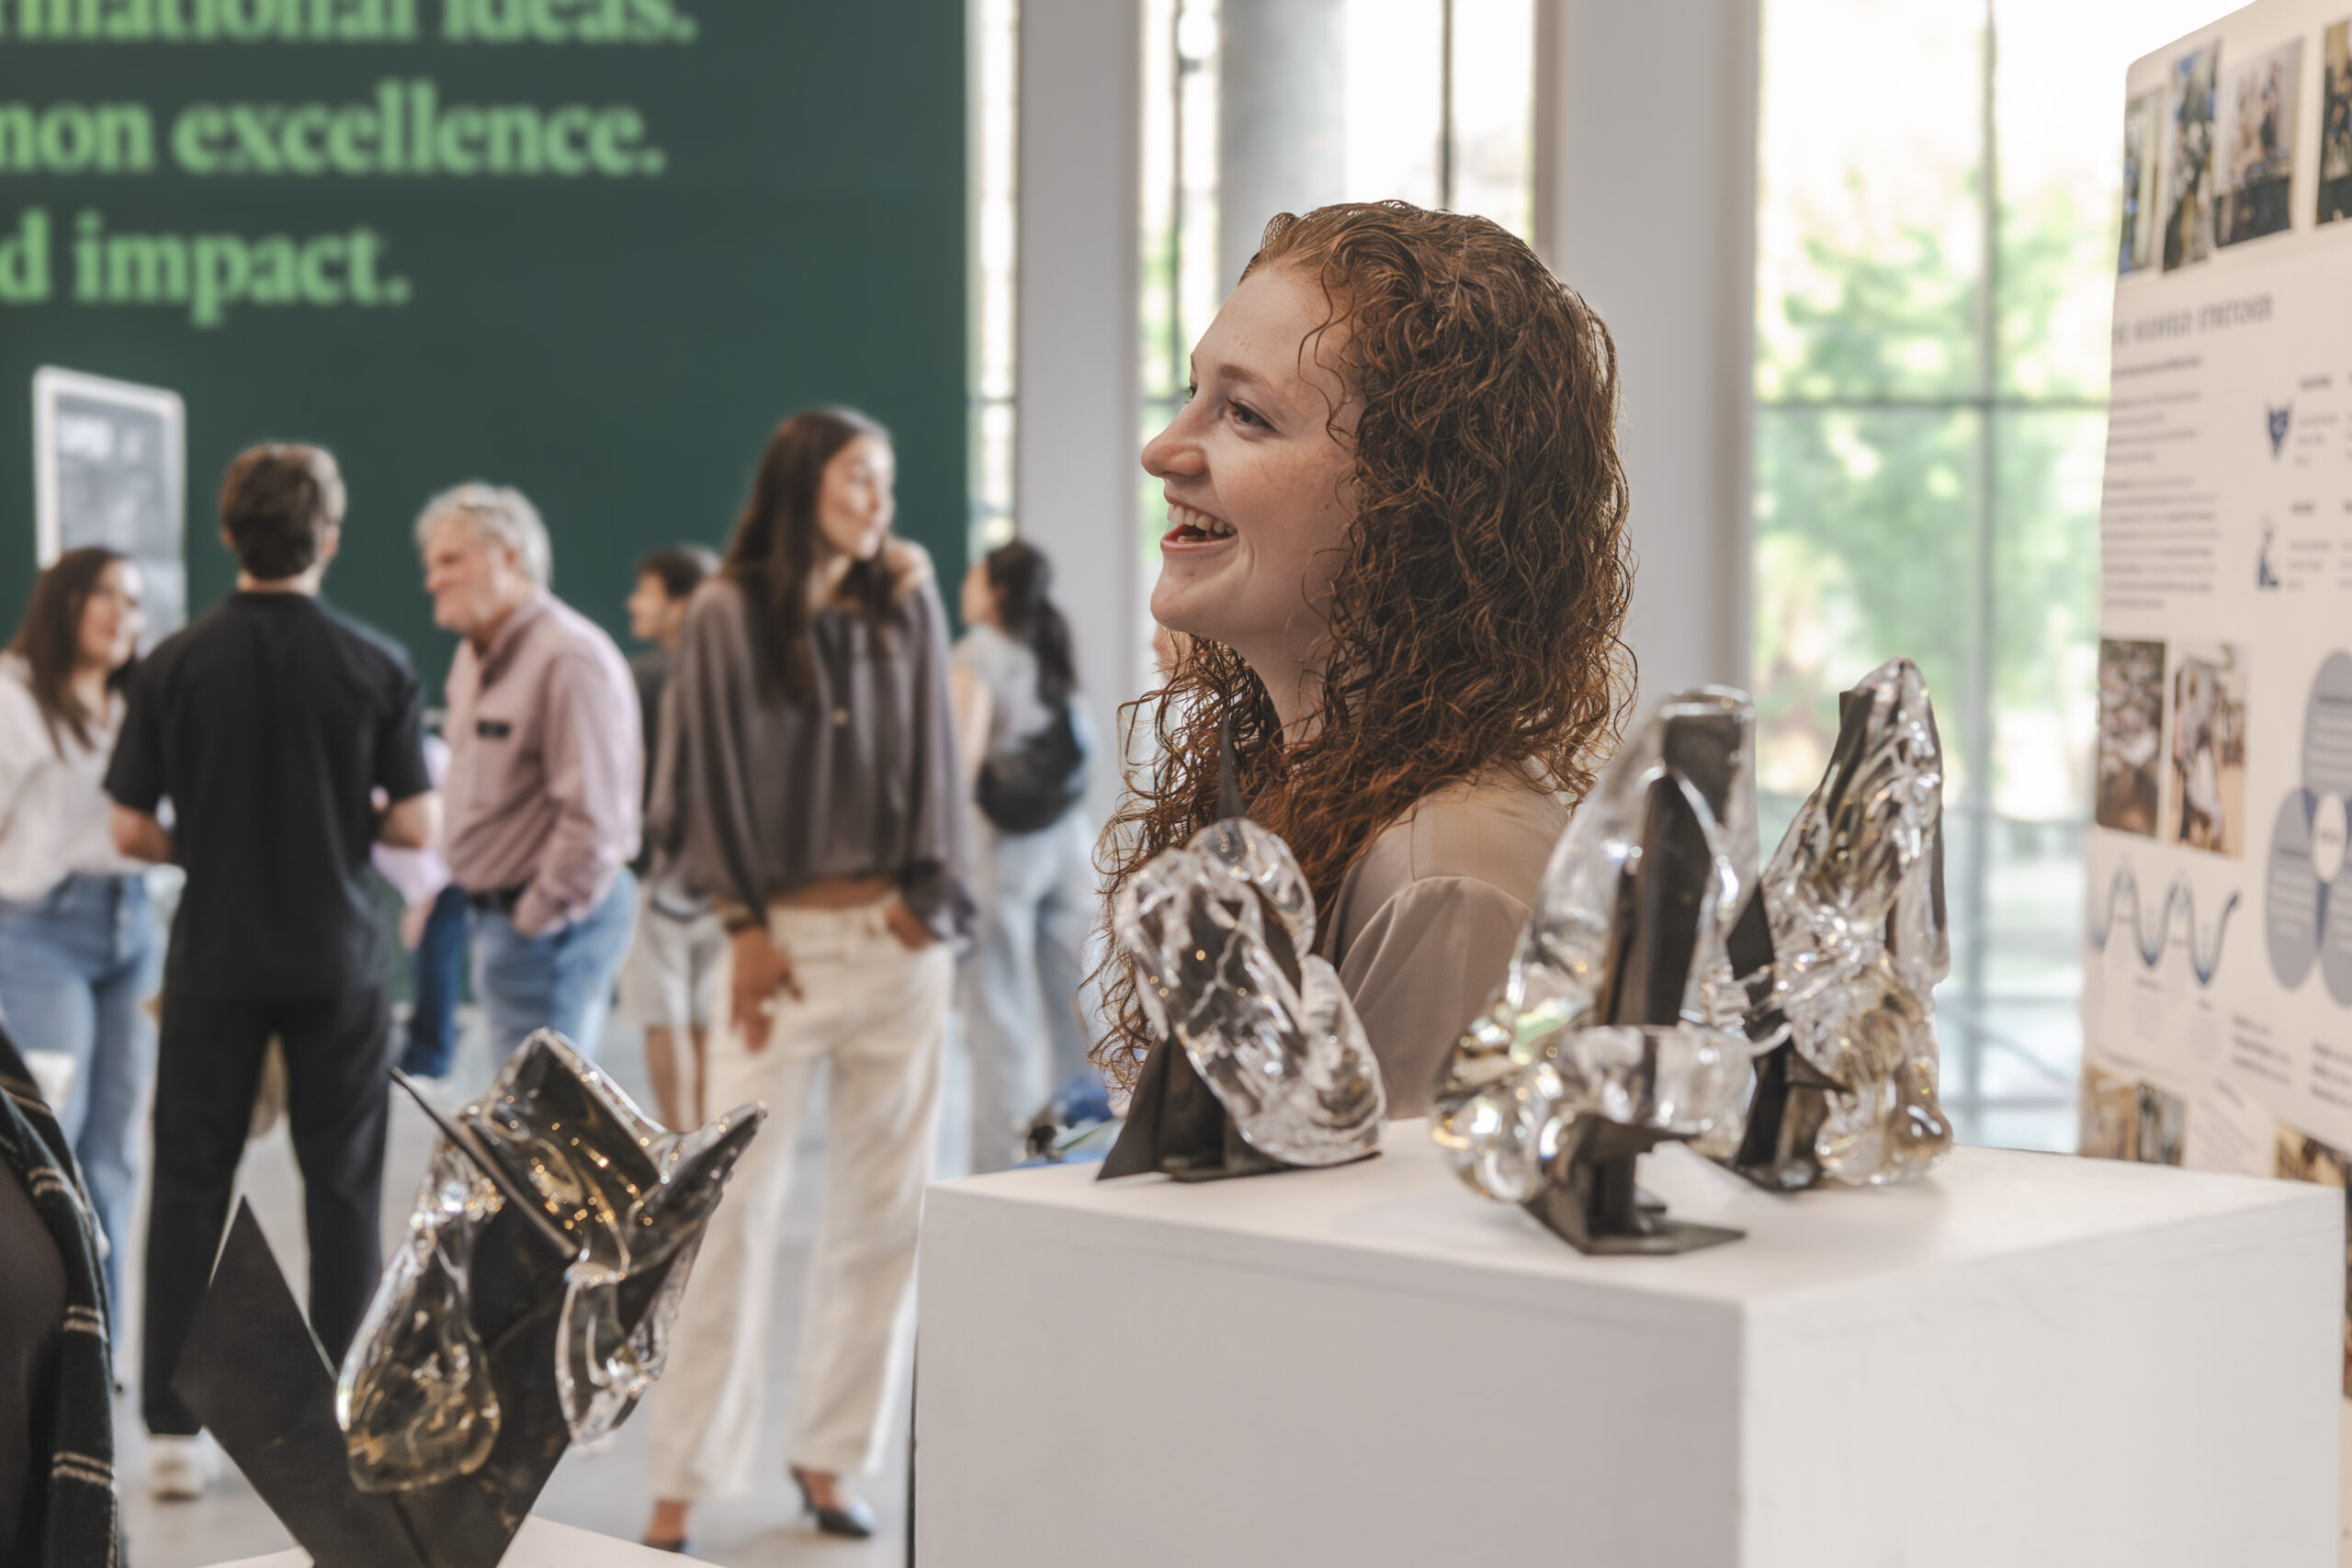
{"x":878,"y":1013}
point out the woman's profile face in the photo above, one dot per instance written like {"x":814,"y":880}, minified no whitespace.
{"x":111,"y":618}
{"x":978,"y":600}
{"x":1259,"y":489}
{"x":855,"y":499}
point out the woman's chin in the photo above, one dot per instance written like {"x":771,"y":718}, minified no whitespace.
{"x":1184,"y":607}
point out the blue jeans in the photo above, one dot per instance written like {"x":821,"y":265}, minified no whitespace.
{"x":561,"y":980}
{"x":1025,"y":1013}
{"x":72,"y":968}
{"x":432,"y":1044}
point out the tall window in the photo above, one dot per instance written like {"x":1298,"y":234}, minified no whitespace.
{"x":995,"y":168}
{"x":1432,"y":101}
{"x":1936,"y":249}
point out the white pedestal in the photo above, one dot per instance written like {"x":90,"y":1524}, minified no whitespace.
{"x":541,"y":1543}
{"x":2026,"y":1359}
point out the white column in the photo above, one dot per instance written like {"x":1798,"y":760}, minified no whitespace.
{"x":1076,"y":440}
{"x":1282,"y":118}
{"x":1646,"y":203}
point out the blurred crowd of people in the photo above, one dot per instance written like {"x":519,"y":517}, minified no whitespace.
{"x":772,"y":833}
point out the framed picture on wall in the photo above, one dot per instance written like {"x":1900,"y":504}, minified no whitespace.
{"x":111,"y":468}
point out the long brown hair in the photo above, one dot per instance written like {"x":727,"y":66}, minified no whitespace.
{"x":1474,"y":620}
{"x":48,"y":639}
{"x":776,"y":546}
{"x":1021,"y":578}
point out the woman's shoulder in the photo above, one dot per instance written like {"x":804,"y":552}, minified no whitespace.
{"x":1497,"y":827}
{"x":17,"y":705}
{"x":988,"y":651}
{"x":716,"y":607}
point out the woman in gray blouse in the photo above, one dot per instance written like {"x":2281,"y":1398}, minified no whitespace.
{"x":807,"y":782}
{"x":1397,"y":544}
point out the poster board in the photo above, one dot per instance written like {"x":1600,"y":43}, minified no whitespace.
{"x":111,"y":468}
{"x":2217,"y":998}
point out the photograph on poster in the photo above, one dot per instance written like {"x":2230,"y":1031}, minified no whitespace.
{"x":2143,"y":119}
{"x":2299,"y":1158}
{"x":2208,"y":691}
{"x":2258,"y":123}
{"x":2189,"y":158}
{"x":2130,"y":734}
{"x":2125,"y":1119}
{"x":2335,"y":122}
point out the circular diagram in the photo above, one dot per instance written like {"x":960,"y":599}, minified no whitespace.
{"x":2307,"y":895}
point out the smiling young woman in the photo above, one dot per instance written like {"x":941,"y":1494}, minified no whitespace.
{"x":1397,"y":546}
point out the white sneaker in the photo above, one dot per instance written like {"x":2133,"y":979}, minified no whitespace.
{"x":178,"y":1469}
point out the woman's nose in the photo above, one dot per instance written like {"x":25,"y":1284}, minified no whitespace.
{"x":1170,"y":451}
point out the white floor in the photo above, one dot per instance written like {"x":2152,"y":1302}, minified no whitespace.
{"x":604,"y":1492}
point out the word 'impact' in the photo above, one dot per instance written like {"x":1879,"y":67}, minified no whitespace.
{"x":206,"y":273}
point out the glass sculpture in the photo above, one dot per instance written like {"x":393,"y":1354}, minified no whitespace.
{"x":1262,"y":1063}
{"x":1854,"y":902}
{"x":623,"y":1198}
{"x":527,"y":1310}
{"x":1622,"y":1021}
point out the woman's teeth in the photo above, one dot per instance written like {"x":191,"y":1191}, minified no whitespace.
{"x":1188,"y":520}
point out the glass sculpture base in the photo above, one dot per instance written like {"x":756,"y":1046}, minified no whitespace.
{"x":1593,"y":1202}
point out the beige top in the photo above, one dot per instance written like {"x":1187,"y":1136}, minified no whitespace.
{"x":1424,"y":925}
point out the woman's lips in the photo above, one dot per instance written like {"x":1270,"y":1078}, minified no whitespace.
{"x":1192,"y":531}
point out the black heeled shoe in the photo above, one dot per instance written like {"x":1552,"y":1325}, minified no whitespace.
{"x":678,"y":1545}
{"x":852,"y":1520}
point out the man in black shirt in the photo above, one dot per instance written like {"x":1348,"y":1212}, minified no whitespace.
{"x":287,"y":738}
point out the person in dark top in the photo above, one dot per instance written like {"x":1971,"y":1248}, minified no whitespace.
{"x":32,"y":1322}
{"x":57,"y":1500}
{"x":287,"y":738}
{"x":669,"y":983}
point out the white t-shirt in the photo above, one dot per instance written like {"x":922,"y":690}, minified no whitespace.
{"x":54,"y":809}
{"x":1008,"y":671}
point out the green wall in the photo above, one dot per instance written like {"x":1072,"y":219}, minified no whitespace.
{"x":752,"y":205}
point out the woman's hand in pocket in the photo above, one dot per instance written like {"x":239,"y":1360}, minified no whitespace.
{"x":762,"y":969}
{"x":907,"y":927}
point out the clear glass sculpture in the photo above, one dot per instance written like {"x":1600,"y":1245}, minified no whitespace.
{"x":1221,"y":932}
{"x":617,"y":1206}
{"x":1855,"y":900}
{"x":1622,"y":1005}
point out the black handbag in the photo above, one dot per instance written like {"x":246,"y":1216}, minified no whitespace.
{"x":1034,"y":785}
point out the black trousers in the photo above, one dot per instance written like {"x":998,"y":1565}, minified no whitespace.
{"x":208,"y":1066}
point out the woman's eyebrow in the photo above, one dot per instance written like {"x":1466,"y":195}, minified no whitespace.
{"x":1243,"y":377}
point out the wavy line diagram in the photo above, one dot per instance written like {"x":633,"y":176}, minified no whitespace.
{"x":2179,"y":897}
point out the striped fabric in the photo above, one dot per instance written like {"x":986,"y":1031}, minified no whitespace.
{"x":82,"y":1527}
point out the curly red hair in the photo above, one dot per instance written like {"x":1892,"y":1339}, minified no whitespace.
{"x":1475,"y":617}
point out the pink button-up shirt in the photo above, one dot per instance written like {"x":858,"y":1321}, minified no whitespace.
{"x":545,"y":765}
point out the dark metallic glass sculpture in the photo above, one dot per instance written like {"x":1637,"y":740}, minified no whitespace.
{"x":1262,"y":1063}
{"x":527,"y":1310}
{"x":1854,"y":902}
{"x":1622,"y":1022}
